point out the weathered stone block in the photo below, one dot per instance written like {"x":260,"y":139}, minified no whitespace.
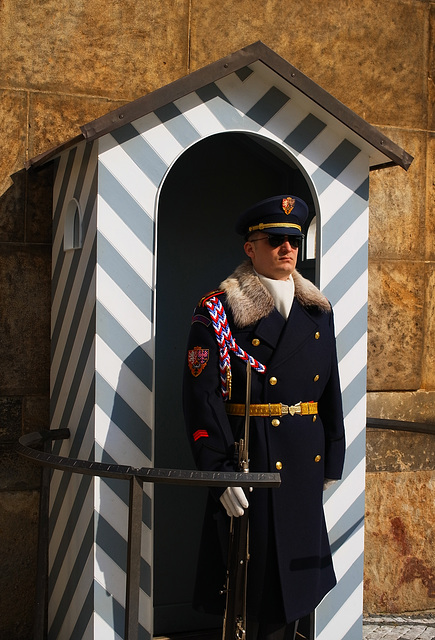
{"x":17,"y":473}
{"x":399,"y":567}
{"x":397,"y":203}
{"x":18,"y":553}
{"x":10,"y":419}
{"x":116,"y":49}
{"x":415,"y":406}
{"x":395,"y":321}
{"x":13,"y":131}
{"x":13,"y":134}
{"x":57,"y":118}
{"x":36,"y":413}
{"x":25,"y":328}
{"x":372,"y":56}
{"x":429,"y":227}
{"x":17,"y":416}
{"x":431,"y":73}
{"x":39,"y":203}
{"x":428,"y":378}
{"x":392,"y":451}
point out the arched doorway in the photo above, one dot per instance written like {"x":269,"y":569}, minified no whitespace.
{"x":202,"y":195}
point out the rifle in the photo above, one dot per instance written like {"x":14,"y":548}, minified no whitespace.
{"x":234,"y":627}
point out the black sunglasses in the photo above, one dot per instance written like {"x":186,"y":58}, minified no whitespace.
{"x":277,"y":240}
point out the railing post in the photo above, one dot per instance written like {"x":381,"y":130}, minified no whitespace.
{"x":41,"y":593}
{"x":133,"y":559}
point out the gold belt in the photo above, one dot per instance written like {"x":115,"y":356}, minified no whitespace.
{"x":272,"y":410}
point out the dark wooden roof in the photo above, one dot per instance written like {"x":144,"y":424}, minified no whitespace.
{"x":258,"y":51}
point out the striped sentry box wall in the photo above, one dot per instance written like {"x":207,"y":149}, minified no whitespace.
{"x":103,"y":333}
{"x":101,"y":389}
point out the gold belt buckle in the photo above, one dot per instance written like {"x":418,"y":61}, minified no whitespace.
{"x":292,"y":409}
{"x":295,"y":408}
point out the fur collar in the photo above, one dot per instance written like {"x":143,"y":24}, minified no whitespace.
{"x":250,"y":301}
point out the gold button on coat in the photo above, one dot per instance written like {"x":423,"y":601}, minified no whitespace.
{"x":275,"y":422}
{"x":317,"y":458}
{"x":316,"y":377}
{"x":314,"y":418}
{"x":278,"y":465}
{"x":255,"y":342}
{"x":273,"y":381}
{"x":317,"y":335}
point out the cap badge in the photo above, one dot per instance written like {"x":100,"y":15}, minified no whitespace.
{"x":288,"y":204}
{"x":197,"y":359}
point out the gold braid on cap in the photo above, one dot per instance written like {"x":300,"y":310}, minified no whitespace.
{"x":261,"y":226}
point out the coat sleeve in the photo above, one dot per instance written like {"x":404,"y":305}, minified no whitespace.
{"x":331,"y":412}
{"x":208,"y":427}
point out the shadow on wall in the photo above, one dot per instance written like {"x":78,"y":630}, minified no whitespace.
{"x":25,"y":266}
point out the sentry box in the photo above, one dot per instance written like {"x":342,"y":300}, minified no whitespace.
{"x":144,"y":204}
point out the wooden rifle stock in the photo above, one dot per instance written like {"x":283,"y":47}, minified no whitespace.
{"x":234,"y":627}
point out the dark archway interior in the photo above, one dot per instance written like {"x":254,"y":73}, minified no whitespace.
{"x":203,"y":194}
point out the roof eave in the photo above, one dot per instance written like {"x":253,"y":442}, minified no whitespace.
{"x":46,"y":156}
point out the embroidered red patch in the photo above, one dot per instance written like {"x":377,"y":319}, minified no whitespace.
{"x":197,"y":359}
{"x":201,"y":433}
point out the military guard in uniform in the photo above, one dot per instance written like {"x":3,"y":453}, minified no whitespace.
{"x":268,"y":313}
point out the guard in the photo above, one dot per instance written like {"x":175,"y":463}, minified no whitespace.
{"x":267,"y":313}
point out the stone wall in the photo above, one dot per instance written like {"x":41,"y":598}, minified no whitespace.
{"x":63,"y":64}
{"x":400,"y":516}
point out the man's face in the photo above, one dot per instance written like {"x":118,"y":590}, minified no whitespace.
{"x":277,"y":263}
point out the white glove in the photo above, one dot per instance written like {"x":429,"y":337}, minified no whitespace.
{"x":234,"y":501}
{"x":328,"y":483}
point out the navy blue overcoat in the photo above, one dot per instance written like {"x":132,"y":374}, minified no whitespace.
{"x":290,"y":567}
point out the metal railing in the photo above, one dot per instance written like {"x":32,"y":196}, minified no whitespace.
{"x":401,"y":425}
{"x":36,"y":447}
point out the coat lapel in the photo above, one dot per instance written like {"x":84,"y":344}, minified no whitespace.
{"x":299,"y":328}
{"x":269,"y":329}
